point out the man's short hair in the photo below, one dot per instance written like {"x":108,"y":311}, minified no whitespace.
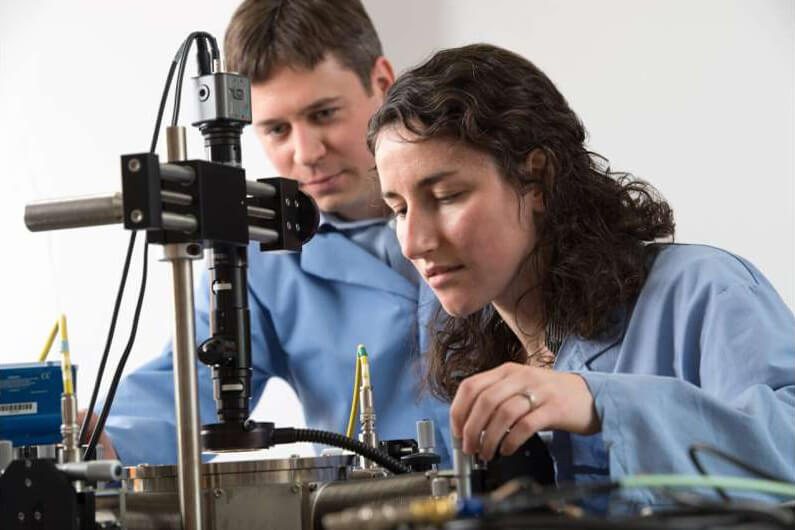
{"x":264,"y":35}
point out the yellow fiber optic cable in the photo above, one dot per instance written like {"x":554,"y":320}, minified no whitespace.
{"x":349,"y":431}
{"x":66,"y":364}
{"x":47,"y":345}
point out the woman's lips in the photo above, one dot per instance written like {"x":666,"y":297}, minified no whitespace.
{"x":437,"y":276}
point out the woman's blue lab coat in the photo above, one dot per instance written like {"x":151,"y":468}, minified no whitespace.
{"x":705,"y":355}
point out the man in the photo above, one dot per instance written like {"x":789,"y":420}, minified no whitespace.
{"x":317,"y":73}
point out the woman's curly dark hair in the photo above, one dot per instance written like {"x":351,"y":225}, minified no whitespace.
{"x":592,"y":237}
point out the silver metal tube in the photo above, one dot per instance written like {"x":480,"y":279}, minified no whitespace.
{"x":367,"y":434}
{"x":174,"y":173}
{"x":94,"y":471}
{"x":74,"y":212}
{"x":176,"y":147}
{"x":70,"y":431}
{"x":262,"y":213}
{"x":183,"y":223}
{"x":263,"y":235}
{"x":260,"y":189}
{"x":174,"y":197}
{"x":186,"y":394}
{"x":462,"y":468}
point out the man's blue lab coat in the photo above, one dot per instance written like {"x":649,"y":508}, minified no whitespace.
{"x":309,"y":310}
{"x":706,"y":354}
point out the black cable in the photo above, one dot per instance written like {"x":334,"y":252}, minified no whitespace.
{"x":287,"y":435}
{"x":101,"y":372}
{"x":108,"y":341}
{"x":183,"y":53}
{"x":694,"y":449}
{"x":103,"y":416}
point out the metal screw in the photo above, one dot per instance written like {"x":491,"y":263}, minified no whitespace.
{"x":289,"y":226}
{"x":136,"y":216}
{"x":21,"y":516}
{"x":194,"y":249}
{"x":297,"y":227}
{"x":28,"y":463}
{"x":134,"y":165}
{"x":28,"y":482}
{"x":204,"y":93}
{"x":287,"y":201}
{"x":37,"y":516}
{"x":294,"y":488}
{"x":312,"y":486}
{"x":218,"y":493}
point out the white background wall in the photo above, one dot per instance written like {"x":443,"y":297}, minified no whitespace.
{"x":697,"y":96}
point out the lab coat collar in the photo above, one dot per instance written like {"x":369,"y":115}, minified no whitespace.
{"x":580,"y":354}
{"x":333,"y":256}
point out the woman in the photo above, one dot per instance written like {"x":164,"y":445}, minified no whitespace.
{"x":566,"y":309}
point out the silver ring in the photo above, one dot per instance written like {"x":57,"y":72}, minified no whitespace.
{"x":532,"y":400}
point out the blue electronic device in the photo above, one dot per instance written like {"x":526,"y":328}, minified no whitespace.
{"x":30,"y":402}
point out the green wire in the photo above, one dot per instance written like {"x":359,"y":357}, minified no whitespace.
{"x":689,"y":481}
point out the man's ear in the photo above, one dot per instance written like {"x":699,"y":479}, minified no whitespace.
{"x":382,"y":76}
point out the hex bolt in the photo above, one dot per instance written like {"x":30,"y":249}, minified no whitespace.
{"x":136,"y":216}
{"x":134,"y":165}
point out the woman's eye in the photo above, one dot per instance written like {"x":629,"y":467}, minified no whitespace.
{"x":448,"y":198}
{"x":399,"y":213}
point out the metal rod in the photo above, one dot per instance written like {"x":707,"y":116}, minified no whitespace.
{"x":174,"y":173}
{"x":186,"y":393}
{"x":262,"y":213}
{"x":263,"y":235}
{"x":260,"y":189}
{"x":174,"y":197}
{"x":176,"y":147}
{"x":183,"y":223}
{"x":74,"y":212}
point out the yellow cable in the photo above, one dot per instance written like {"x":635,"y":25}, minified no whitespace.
{"x":48,"y":345}
{"x":355,"y":399}
{"x":66,"y":364}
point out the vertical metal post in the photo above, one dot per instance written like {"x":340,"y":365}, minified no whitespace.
{"x":186,"y":391}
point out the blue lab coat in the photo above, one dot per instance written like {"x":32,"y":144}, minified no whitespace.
{"x":309,"y":310}
{"x":706,"y":354}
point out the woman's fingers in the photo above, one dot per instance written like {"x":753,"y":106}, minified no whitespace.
{"x":507,"y":415}
{"x":491,"y":405}
{"x":468,"y":392}
{"x":527,"y":426}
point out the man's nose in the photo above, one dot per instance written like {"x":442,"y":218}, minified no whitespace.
{"x":308,"y":147}
{"x":418,"y":235}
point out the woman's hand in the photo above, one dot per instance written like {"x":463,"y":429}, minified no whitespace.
{"x":524,"y":399}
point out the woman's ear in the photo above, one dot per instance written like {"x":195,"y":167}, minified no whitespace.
{"x":538,"y":167}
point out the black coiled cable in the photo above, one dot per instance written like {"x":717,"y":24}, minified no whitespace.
{"x":288,"y":435}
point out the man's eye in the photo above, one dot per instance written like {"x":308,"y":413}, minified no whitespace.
{"x":325,"y":114}
{"x":277,"y":130}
